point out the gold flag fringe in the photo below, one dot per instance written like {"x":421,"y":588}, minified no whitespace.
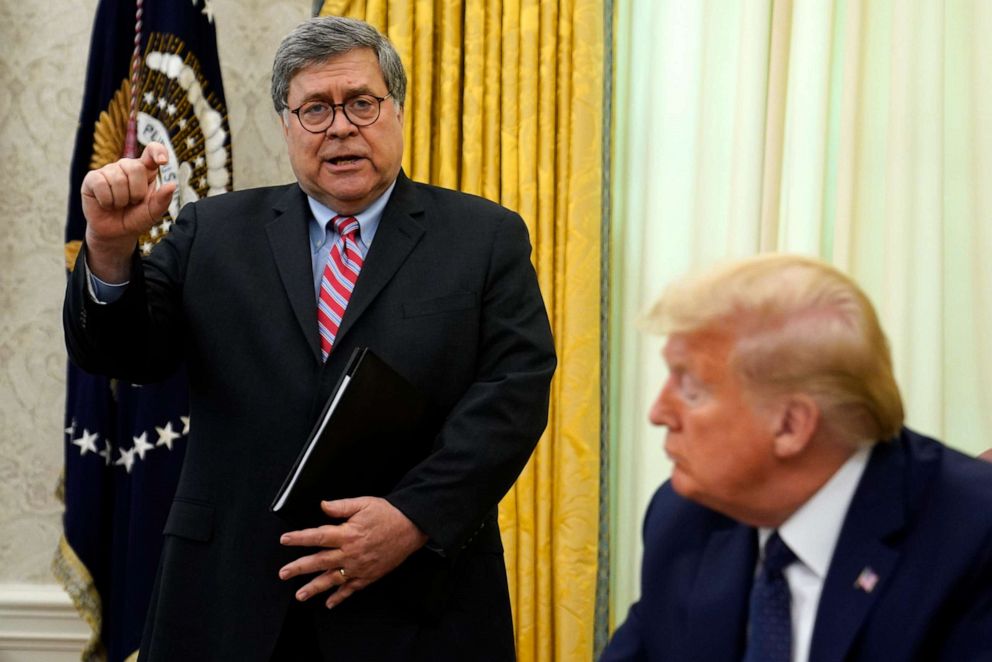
{"x":78,"y":583}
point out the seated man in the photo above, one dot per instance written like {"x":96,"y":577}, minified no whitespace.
{"x":801,"y":521}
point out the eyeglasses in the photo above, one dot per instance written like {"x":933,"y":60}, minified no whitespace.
{"x":361,"y":110}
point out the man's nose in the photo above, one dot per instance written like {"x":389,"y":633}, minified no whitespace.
{"x":662,"y":412}
{"x":340,"y":124}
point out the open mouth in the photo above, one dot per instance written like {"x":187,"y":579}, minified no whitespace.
{"x":343,"y":160}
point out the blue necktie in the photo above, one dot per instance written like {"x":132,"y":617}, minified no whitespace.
{"x":770,"y":638}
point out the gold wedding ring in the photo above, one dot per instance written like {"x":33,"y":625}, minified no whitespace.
{"x":343,"y":574}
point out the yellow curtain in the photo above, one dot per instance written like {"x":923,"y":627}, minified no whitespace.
{"x":505,"y":101}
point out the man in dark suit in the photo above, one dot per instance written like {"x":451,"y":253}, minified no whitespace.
{"x":801,"y":521}
{"x":439,"y":284}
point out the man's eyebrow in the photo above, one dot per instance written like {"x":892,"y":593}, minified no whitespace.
{"x":350,"y":93}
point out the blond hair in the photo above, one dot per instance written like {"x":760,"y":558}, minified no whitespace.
{"x":800,"y":325}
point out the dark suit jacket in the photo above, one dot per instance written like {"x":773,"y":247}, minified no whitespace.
{"x":447,"y":296}
{"x":921,"y":519}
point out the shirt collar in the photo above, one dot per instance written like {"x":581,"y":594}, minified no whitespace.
{"x":368,"y":219}
{"x":812,"y":531}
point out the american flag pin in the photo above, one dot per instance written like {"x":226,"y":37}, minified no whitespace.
{"x":867,"y":580}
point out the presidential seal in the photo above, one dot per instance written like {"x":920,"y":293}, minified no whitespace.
{"x":174,"y":106}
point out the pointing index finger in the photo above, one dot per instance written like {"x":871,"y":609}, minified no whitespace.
{"x":154,"y":155}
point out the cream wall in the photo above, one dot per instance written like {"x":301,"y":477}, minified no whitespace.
{"x":43,"y":53}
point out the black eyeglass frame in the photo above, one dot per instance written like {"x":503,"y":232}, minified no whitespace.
{"x":334,"y":111}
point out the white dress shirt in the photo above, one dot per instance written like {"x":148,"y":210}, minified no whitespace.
{"x":323,"y":238}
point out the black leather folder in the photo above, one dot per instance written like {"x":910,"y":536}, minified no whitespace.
{"x":367,"y":437}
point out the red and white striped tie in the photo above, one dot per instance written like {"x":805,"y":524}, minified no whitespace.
{"x":338,"y":280}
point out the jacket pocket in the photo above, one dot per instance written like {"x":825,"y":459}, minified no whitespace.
{"x":447,"y":303}
{"x":192,"y":520}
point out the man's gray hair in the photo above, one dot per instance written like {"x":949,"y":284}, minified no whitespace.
{"x":316,"y":40}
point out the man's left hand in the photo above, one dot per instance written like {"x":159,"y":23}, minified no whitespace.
{"x":374,"y":538}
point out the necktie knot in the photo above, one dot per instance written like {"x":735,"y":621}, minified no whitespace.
{"x":345,"y":225}
{"x":778,"y":556}
{"x":337,"y":281}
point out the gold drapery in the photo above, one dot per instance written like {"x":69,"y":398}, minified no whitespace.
{"x":505,"y":100}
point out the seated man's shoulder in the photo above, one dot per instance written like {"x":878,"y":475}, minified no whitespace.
{"x":672,"y":518}
{"x":949,"y":504}
{"x":966,"y":480}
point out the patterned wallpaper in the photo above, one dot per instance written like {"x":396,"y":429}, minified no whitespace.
{"x":43,"y":51}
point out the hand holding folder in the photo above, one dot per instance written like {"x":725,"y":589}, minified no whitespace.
{"x":365,"y":440}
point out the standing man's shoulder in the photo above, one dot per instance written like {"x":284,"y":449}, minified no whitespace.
{"x":258,"y":199}
{"x":457,"y":207}
{"x":244,"y":213}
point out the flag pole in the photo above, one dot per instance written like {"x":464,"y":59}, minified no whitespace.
{"x":131,"y":139}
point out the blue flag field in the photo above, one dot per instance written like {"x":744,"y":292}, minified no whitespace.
{"x":153,"y":75}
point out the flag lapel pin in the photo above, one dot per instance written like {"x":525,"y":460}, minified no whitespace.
{"x":867,"y":580}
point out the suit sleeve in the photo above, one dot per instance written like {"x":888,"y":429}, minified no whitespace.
{"x":139,"y":336}
{"x":491,"y":432}
{"x":970,"y":636}
{"x":627,"y":643}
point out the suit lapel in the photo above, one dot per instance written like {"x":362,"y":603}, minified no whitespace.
{"x":864,"y":558}
{"x":290,"y":241}
{"x":395,"y":238}
{"x":718,"y":601}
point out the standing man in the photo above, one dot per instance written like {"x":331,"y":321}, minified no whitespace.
{"x":265,"y":293}
{"x":802,"y":521}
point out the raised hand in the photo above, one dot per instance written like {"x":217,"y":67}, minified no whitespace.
{"x":121,"y":201}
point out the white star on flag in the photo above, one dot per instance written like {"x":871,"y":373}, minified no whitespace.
{"x":141,"y":445}
{"x":71,"y":430}
{"x":149,"y":98}
{"x":126,"y":459}
{"x":185,"y":420}
{"x":166,"y":435}
{"x":86,"y":443}
{"x":106,"y":452}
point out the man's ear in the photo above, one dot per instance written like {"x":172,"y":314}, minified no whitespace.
{"x":796,"y":426}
